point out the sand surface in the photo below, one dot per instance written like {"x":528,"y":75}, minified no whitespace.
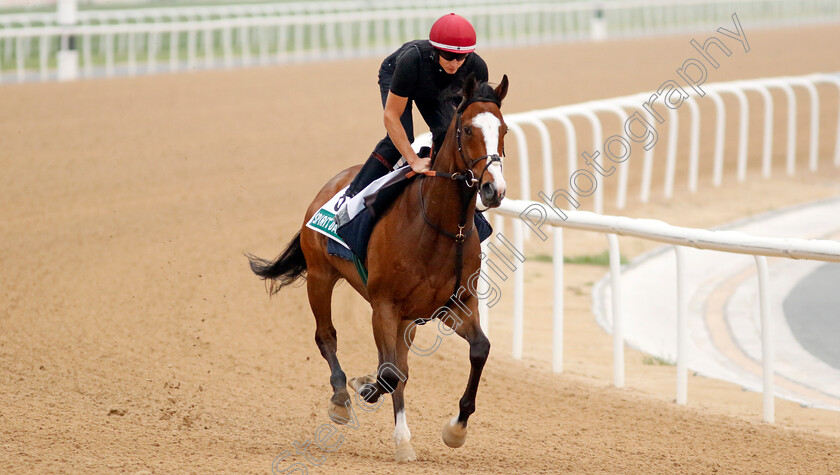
{"x":134,"y":338}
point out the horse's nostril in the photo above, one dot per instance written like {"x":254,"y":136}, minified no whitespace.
{"x":488,"y":190}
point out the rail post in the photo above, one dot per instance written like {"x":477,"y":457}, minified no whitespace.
{"x":68,"y":57}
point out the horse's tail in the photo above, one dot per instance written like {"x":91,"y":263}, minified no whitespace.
{"x":289,"y":266}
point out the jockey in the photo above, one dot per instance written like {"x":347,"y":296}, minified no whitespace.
{"x":430,"y":73}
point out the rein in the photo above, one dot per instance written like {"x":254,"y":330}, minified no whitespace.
{"x":467,"y":196}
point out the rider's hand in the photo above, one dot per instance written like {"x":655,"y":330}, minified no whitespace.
{"x":420,"y":165}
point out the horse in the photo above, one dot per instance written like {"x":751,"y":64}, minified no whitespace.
{"x":421,"y":249}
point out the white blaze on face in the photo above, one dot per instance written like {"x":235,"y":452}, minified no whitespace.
{"x":490,"y":125}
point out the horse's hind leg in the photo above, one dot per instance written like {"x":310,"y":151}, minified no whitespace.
{"x":455,"y":431}
{"x":320,"y":288}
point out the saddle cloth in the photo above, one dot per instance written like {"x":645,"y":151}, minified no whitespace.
{"x":324,"y":220}
{"x":349,"y":227}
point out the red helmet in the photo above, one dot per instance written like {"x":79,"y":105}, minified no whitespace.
{"x":453,"y":33}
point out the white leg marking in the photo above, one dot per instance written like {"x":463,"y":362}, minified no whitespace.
{"x":401,"y":432}
{"x":489,"y":125}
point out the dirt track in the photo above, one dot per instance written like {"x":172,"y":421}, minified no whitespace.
{"x":133,"y":337}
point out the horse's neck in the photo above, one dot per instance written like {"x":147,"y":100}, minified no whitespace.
{"x":443,"y":197}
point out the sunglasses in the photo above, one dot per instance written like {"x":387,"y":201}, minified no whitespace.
{"x":449,"y":56}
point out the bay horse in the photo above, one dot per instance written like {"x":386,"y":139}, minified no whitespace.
{"x":421,"y":249}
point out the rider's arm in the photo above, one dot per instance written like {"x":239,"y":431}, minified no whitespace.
{"x":394,"y":108}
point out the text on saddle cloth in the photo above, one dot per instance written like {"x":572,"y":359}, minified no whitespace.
{"x":327,"y":220}
{"x":353,"y":223}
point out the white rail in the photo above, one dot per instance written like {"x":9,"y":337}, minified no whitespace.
{"x":595,"y":112}
{"x":113,"y":42}
{"x":121,"y":47}
{"x":537,"y":215}
{"x":818,"y":87}
{"x":154,"y":15}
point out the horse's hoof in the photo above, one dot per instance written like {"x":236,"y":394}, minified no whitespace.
{"x":454,"y":435}
{"x":405,"y":453}
{"x":357,"y":383}
{"x":338,"y":414}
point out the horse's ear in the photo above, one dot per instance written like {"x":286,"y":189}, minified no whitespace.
{"x":469,"y":86}
{"x":467,"y":91}
{"x":502,"y":88}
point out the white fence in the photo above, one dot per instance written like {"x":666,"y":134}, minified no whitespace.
{"x":655,"y":230}
{"x":146,"y":41}
{"x":235,"y":37}
{"x":624,"y":107}
{"x":216,"y":12}
{"x":728,"y":241}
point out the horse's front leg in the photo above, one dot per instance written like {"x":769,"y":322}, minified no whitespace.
{"x":392,"y":344}
{"x":455,"y":431}
{"x":402,"y":435}
{"x":386,"y":323}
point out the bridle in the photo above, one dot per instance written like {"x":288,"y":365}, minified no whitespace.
{"x":467,"y":193}
{"x":467,"y":177}
{"x":491,"y":158}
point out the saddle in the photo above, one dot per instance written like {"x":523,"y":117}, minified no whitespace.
{"x":350,"y":228}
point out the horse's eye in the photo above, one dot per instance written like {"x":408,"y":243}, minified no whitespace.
{"x":468,"y":130}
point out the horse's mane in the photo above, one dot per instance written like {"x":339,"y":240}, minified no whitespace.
{"x":483,"y":92}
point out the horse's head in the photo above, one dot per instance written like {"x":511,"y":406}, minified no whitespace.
{"x":480,"y":134}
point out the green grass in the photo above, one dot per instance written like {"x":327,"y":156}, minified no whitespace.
{"x":541,"y":258}
{"x":655,"y":361}
{"x":602,"y":259}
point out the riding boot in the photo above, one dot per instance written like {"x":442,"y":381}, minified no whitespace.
{"x":371,"y":170}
